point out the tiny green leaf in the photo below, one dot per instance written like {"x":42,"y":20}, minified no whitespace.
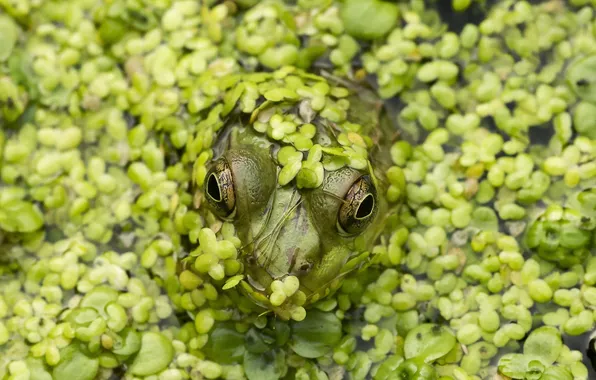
{"x":580,"y":77}
{"x":545,"y":344}
{"x":316,"y":335}
{"x":428,"y":341}
{"x":75,"y":365}
{"x":155,"y":355}
{"x":8,"y":36}
{"x":270,"y":365}
{"x":368,"y":19}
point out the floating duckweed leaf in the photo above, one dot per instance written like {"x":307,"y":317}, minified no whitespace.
{"x":225,"y":344}
{"x":282,"y":332}
{"x":514,"y":365}
{"x":428,"y":341}
{"x":545,"y":344}
{"x":541,"y":349}
{"x":316,"y":335}
{"x":155,"y":355}
{"x":75,"y":365}
{"x":560,"y":237}
{"x":20,"y":216}
{"x":255,"y":113}
{"x":98,"y":299}
{"x":231,"y":98}
{"x":257,"y":342}
{"x":289,"y":172}
{"x":270,"y":365}
{"x":129,"y":344}
{"x":140,"y":18}
{"x":416,"y":369}
{"x":557,"y":373}
{"x":368,"y":19}
{"x":232,"y":282}
{"x":485,"y":219}
{"x":38,"y":371}
{"x":587,"y":201}
{"x":584,"y":119}
{"x":112,"y":31}
{"x":580,"y":77}
{"x":8,"y":36}
{"x":279,"y":94}
{"x":82,"y":316}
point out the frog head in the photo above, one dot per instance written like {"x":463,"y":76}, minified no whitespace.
{"x":299,"y":237}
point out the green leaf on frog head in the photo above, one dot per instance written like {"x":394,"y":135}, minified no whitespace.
{"x":544,"y":344}
{"x":429,"y":342}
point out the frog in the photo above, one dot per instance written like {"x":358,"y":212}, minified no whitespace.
{"x":301,"y":237}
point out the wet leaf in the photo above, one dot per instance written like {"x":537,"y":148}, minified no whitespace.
{"x":20,"y":216}
{"x":155,"y":355}
{"x":225,"y":344}
{"x":416,"y":369}
{"x":8,"y":36}
{"x":428,"y":341}
{"x":580,"y":77}
{"x":37,"y":369}
{"x":513,"y":365}
{"x":557,"y":373}
{"x":270,"y":365}
{"x":368,"y":19}
{"x":316,"y":335}
{"x":98,"y":299}
{"x":545,"y":344}
{"x":130,"y":343}
{"x":485,"y":219}
{"x":75,"y":365}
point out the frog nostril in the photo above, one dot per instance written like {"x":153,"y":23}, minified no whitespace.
{"x":305,"y":268}
{"x":251,"y":260}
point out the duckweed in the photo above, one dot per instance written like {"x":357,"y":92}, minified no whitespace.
{"x":110,"y":114}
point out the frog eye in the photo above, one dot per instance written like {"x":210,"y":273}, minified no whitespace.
{"x":219,"y":189}
{"x":358,"y":208}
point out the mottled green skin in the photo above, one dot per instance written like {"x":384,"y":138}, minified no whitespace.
{"x":290,"y":231}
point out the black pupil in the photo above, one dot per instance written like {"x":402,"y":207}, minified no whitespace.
{"x":366,"y":207}
{"x":213,"y":188}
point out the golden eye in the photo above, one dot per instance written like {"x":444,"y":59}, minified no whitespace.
{"x":358,"y":208}
{"x":219,"y":189}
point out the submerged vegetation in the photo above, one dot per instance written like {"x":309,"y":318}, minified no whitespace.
{"x":307,"y":189}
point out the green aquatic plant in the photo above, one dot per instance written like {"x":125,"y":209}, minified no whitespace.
{"x":541,"y":350}
{"x":424,"y":345}
{"x":128,"y":248}
{"x":562,"y":236}
{"x":580,"y":76}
